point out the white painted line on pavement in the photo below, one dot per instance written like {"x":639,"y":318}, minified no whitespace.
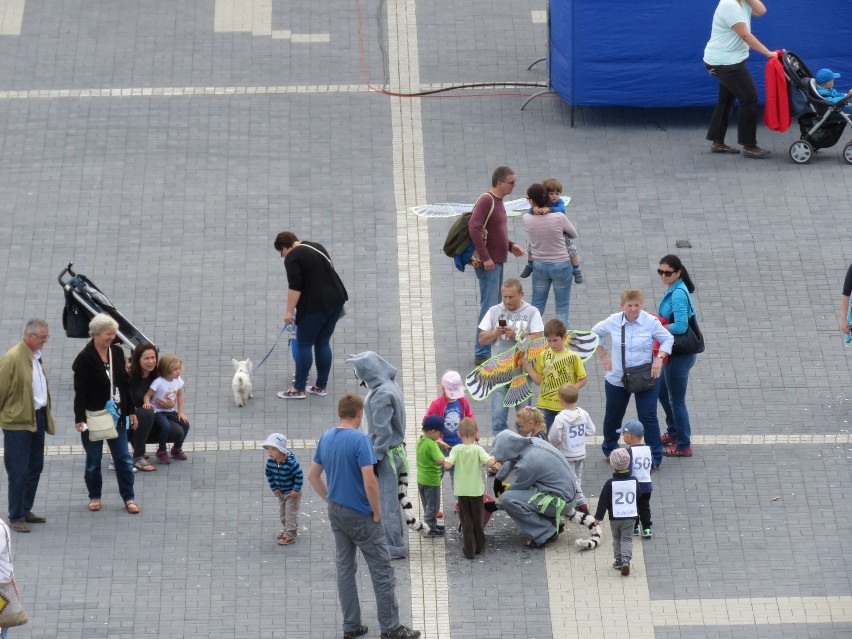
{"x":11,"y":16}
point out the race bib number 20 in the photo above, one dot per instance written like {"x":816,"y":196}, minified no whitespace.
{"x":624,"y":499}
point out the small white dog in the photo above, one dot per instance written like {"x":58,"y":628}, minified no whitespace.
{"x":241,"y":384}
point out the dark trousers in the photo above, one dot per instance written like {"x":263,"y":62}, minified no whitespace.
{"x":24,"y":461}
{"x":121,"y":457}
{"x":643,"y":504}
{"x":617,"y":400}
{"x":735,"y":83}
{"x":165,"y":422}
{"x":145,"y":433}
{"x":313,"y":334}
{"x":473,"y":532}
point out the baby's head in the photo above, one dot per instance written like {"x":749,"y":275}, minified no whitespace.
{"x":633,"y":432}
{"x":433,"y":427}
{"x":276,"y":447}
{"x":826,"y":77}
{"x":568,"y":396}
{"x":529,"y":421}
{"x":553,"y":188}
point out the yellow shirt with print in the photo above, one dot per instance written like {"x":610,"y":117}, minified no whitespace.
{"x":555,"y":370}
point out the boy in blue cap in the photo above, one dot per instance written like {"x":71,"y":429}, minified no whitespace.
{"x":640,"y":463}
{"x":825,"y":80}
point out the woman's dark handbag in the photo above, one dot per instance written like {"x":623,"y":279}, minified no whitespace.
{"x":636,"y":379}
{"x":689,"y":343}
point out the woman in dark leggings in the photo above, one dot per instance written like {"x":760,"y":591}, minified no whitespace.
{"x":143,"y":371}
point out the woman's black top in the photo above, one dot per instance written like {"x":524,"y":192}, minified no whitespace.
{"x":91,"y":382}
{"x":309,"y":271}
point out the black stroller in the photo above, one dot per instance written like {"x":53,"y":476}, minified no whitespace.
{"x":821,"y":123}
{"x":84,"y":300}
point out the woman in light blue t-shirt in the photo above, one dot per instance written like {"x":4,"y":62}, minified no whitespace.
{"x":724,"y":57}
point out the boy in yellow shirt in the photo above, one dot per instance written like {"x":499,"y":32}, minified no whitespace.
{"x":557,"y":365}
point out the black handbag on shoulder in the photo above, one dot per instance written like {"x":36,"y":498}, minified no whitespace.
{"x":691,"y":342}
{"x":636,"y":379}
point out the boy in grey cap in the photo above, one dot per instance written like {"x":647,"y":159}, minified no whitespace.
{"x":284,"y":475}
{"x":618,"y":496}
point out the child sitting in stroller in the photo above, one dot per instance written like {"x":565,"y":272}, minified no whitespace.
{"x":825,"y":87}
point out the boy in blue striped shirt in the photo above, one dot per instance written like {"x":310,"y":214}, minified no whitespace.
{"x":284,"y":475}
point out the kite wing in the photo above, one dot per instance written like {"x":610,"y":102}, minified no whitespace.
{"x":493,"y":373}
{"x":584,"y":343}
{"x":452,"y":209}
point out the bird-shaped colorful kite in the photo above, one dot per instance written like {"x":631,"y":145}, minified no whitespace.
{"x":506,"y":367}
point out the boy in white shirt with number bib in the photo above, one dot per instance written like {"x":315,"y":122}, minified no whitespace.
{"x":568,"y":435}
{"x":618,"y":496}
{"x":640,"y":455}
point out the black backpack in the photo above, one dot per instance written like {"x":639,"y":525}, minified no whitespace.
{"x":458,"y":237}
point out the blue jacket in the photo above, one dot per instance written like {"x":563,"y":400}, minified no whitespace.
{"x":286,"y":476}
{"x":677,"y":307}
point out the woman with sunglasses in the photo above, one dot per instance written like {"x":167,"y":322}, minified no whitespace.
{"x":677,"y":307}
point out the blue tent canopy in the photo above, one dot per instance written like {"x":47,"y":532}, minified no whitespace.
{"x":648,"y":54}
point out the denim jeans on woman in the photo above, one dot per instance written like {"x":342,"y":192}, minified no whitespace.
{"x":672,"y":385}
{"x":121,"y":456}
{"x":617,"y":400}
{"x":313,"y":334}
{"x":735,"y":83}
{"x":558,"y":274}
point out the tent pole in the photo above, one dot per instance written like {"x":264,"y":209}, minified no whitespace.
{"x":546,"y":60}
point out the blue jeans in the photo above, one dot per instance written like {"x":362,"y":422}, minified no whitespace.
{"x":673,"y":398}
{"x":617,"y":400}
{"x":489,"y":295}
{"x":164,"y":421}
{"x":313,"y":334}
{"x":24,"y":460}
{"x":121,"y":457}
{"x":500,"y":413}
{"x":561,"y":276}
{"x":430,"y":499}
{"x":549,"y":417}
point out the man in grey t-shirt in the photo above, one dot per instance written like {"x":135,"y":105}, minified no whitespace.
{"x":500,"y":328}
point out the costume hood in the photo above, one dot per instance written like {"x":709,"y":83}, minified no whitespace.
{"x":371,"y":368}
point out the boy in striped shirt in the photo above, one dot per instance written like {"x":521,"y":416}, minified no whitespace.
{"x":284,"y":475}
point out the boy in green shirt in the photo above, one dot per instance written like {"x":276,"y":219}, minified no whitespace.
{"x":430,"y":461}
{"x":468,"y":458}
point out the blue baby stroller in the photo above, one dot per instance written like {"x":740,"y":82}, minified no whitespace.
{"x":84,"y":300}
{"x":821,"y":123}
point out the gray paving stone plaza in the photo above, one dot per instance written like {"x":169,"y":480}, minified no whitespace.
{"x":161,"y":146}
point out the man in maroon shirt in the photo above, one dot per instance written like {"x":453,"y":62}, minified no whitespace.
{"x":492,"y":249}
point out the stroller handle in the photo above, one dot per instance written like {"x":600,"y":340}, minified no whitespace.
{"x":68,"y":270}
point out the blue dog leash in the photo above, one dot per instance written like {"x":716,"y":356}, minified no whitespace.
{"x":287,"y":328}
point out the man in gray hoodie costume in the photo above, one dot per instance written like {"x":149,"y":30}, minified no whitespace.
{"x":542,"y":487}
{"x":384,"y":412}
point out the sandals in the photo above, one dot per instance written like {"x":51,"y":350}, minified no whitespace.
{"x":132,"y":507}
{"x":144,"y":465}
{"x":94,"y":505}
{"x":285,"y":540}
